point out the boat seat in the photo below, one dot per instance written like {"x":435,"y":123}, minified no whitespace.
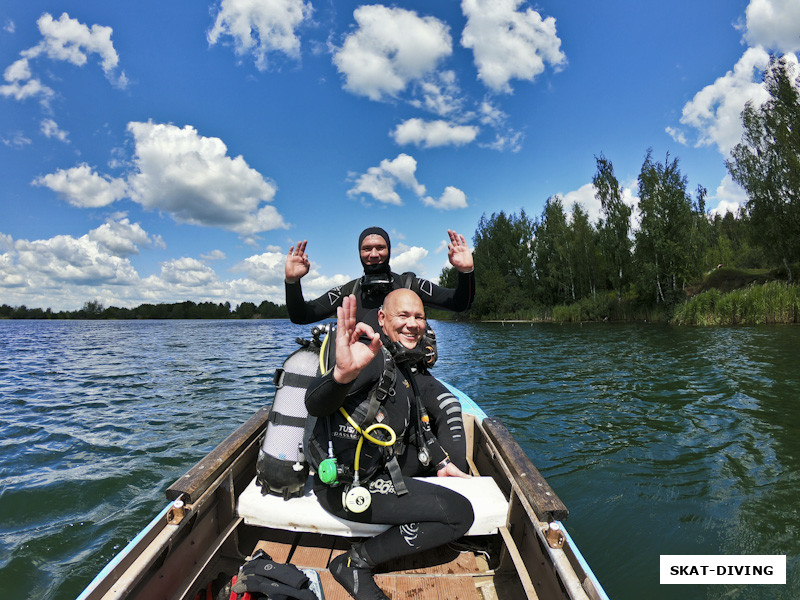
{"x":305,"y":513}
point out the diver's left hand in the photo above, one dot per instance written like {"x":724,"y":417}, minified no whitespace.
{"x":458,"y":252}
{"x":450,"y":470}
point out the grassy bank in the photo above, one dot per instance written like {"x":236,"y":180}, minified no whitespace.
{"x":771,"y":302}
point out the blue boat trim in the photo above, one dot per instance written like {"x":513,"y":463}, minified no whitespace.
{"x":122,"y":554}
{"x":467,"y":404}
{"x":584,"y":565}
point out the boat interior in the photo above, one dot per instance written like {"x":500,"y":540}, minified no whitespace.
{"x":200,"y":541}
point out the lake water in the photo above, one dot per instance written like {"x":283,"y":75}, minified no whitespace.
{"x":660,"y":440}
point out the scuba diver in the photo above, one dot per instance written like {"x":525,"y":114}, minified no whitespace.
{"x":374,"y":248}
{"x":364,"y":479}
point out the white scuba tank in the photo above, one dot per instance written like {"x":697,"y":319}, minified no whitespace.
{"x":282,"y":468}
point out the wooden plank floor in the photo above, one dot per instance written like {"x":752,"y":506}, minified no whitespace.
{"x":440,"y":574}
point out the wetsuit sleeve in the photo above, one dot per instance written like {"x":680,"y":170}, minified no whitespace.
{"x":457,"y":300}
{"x":325,"y":395}
{"x":444,"y":410}
{"x":303,"y":312}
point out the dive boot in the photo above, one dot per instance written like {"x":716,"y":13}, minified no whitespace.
{"x":354,"y":573}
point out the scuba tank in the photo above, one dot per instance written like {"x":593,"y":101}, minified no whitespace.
{"x":281,"y":468}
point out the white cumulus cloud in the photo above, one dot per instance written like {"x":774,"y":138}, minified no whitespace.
{"x":188,"y":272}
{"x":390,"y":48}
{"x":452,"y":199}
{"x":431,"y":134}
{"x":81,"y":186}
{"x":774,"y":24}
{"x":192,"y":178}
{"x":729,"y":196}
{"x":63,"y":39}
{"x":120,"y":237}
{"x":182,"y":173}
{"x":21,"y":84}
{"x":586,"y":197}
{"x":214,"y":255}
{"x":408,"y":258}
{"x":69,"y":40}
{"x":261,"y":27}
{"x":509,"y":43}
{"x":267,"y":267}
{"x":381,"y":182}
{"x":677,"y":135}
{"x":65,"y":259}
{"x":715,"y":111}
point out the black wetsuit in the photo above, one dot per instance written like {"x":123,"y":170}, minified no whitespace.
{"x":303,"y":312}
{"x":427,"y":515}
{"x":444,"y":410}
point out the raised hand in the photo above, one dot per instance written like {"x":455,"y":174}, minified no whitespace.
{"x":351,"y":354}
{"x":458,"y":252}
{"x":297,"y":264}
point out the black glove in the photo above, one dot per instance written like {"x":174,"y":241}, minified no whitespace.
{"x":280,"y":572}
{"x":271,"y":589}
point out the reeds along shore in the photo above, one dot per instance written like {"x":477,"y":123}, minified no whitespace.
{"x":774,"y":302}
{"x":771,"y":302}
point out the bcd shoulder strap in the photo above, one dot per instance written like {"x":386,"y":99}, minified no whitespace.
{"x":364,"y":414}
{"x":408,"y":279}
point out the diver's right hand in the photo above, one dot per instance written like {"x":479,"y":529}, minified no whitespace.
{"x":352,"y":355}
{"x":297,"y":263}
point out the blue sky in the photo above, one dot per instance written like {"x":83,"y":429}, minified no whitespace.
{"x":170,"y":151}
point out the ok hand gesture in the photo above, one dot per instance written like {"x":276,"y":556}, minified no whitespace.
{"x":459,"y":253}
{"x":297,"y":264}
{"x":352,"y":355}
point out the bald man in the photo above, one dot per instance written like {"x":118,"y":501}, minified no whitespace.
{"x":422,"y":515}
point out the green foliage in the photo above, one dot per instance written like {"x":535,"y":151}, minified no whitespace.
{"x":601,"y":307}
{"x":180,"y":310}
{"x":568,"y":258}
{"x":664,"y":241}
{"x":615,"y":225}
{"x":767,"y":165}
{"x":771,"y":302}
{"x":503,"y":264}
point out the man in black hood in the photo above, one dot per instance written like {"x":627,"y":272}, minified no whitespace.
{"x":374,"y":248}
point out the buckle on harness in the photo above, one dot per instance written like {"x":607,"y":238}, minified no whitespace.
{"x":277,"y":379}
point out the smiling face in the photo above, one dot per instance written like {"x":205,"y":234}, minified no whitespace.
{"x":374,"y":250}
{"x":403,"y":318}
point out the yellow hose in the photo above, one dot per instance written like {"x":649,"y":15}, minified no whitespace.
{"x":322,"y":355}
{"x":366,"y":434}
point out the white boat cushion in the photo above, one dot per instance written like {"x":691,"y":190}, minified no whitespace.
{"x":306,"y":514}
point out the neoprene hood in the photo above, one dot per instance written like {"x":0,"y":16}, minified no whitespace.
{"x":381,"y":267}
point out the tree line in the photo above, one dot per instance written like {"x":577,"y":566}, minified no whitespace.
{"x":525,"y":266}
{"x":178,"y":310}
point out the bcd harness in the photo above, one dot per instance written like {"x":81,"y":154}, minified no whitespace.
{"x":290,"y":447}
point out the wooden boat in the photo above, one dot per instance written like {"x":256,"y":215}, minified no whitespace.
{"x":200,"y":537}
